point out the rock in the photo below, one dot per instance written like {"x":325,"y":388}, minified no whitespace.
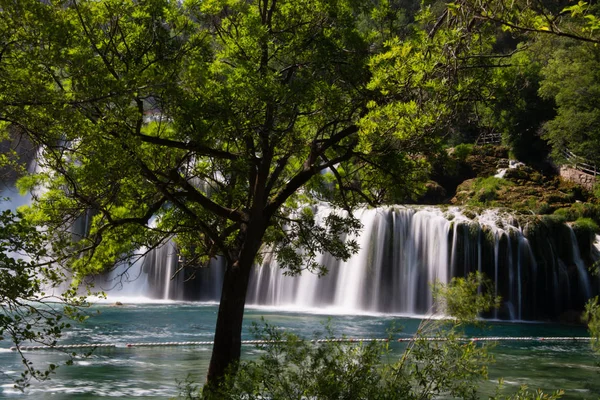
{"x":521,"y":175}
{"x":503,"y":163}
{"x":434,"y":194}
{"x":118,"y":303}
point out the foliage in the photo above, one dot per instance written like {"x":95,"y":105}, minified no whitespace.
{"x":525,"y":394}
{"x":292,"y":368}
{"x":462,"y":151}
{"x":586,"y":224}
{"x":15,"y":150}
{"x":542,"y":208}
{"x":571,"y":79}
{"x":225,"y":121}
{"x":465,"y":298}
{"x":553,"y":48}
{"x":31,"y":312}
{"x":486,"y":189}
{"x":414,"y":74}
{"x":576,"y":21}
{"x":591,"y":316}
{"x":517,"y":111}
{"x":218,"y":120}
{"x":596,"y":192}
{"x":583,"y":211}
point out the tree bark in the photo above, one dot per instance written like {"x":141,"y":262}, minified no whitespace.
{"x":228,"y":331}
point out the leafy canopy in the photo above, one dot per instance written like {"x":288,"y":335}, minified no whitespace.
{"x":205,"y":117}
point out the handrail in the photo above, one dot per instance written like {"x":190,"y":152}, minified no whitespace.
{"x":578,"y":163}
{"x":489,"y":138}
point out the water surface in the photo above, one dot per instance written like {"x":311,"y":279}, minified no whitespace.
{"x":153,"y":372}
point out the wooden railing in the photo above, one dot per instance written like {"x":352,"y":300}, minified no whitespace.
{"x":489,"y":138}
{"x":579,"y":163}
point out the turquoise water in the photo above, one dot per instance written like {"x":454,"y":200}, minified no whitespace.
{"x":153,"y":372}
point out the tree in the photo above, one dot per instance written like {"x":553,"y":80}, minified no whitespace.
{"x":220,"y":119}
{"x":571,"y":81}
{"x":517,"y":110}
{"x":557,"y":52}
{"x":547,"y":17}
{"x":31,"y":311}
{"x":223,"y":121}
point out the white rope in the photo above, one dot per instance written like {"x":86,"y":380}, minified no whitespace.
{"x":501,"y":339}
{"x":64,"y":346}
{"x":331,"y":340}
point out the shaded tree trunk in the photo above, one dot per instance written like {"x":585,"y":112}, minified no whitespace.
{"x":228,"y":331}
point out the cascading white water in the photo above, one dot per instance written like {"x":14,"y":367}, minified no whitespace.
{"x":584,"y":280}
{"x":402,"y":252}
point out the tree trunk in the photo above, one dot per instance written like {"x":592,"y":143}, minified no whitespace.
{"x":228,"y":332}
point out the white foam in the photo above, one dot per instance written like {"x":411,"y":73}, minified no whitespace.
{"x":125,"y":300}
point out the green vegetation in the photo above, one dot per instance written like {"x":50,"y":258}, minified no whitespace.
{"x":584,"y":214}
{"x":291,"y":368}
{"x":28,"y":314}
{"x":571,"y":79}
{"x":219,"y":119}
{"x":462,"y":151}
{"x":587,"y":224}
{"x":486,"y":189}
{"x":592,"y":317}
{"x":466,"y":298}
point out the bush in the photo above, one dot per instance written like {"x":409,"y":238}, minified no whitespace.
{"x":596,"y":190}
{"x":542,"y":208}
{"x":578,"y":211}
{"x":585,"y":224}
{"x":565,"y":214}
{"x":462,"y":151}
{"x":27,"y":315}
{"x":292,"y":368}
{"x":591,"y":316}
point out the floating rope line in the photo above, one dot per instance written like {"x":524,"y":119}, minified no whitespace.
{"x":254,"y":342}
{"x":64,"y":346}
{"x":502,"y":339}
{"x":340,"y":340}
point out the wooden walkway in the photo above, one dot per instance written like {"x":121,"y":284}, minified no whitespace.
{"x":489,"y":138}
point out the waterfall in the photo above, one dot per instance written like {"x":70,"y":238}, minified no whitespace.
{"x":404,"y":250}
{"x":153,"y":275}
{"x":584,"y":280}
{"x":537,"y":269}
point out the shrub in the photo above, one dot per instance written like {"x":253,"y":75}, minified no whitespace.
{"x":292,"y":368}
{"x":596,"y":190}
{"x":591,"y":316}
{"x":580,"y":210}
{"x":462,"y":151}
{"x":586,"y":224}
{"x":542,"y":208}
{"x":565,"y":214}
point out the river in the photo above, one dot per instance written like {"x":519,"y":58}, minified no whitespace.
{"x":153,"y":372}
